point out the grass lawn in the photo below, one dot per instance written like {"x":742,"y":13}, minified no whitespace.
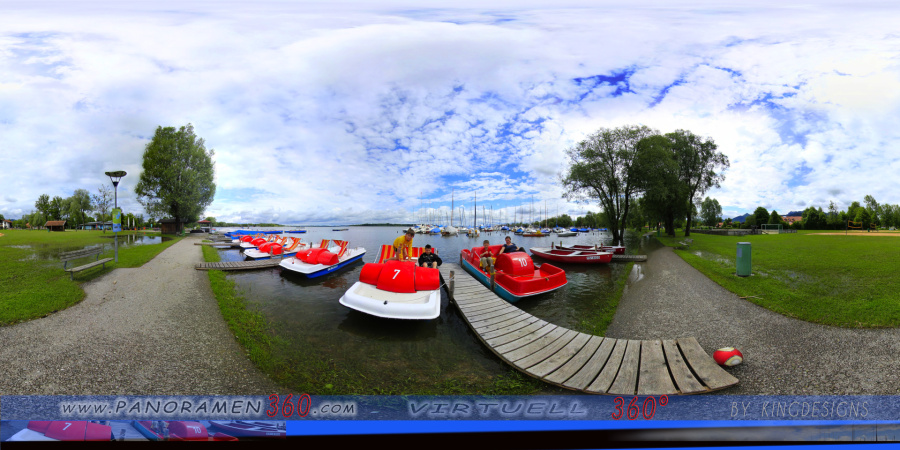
{"x":32,"y":281}
{"x":846,"y":281}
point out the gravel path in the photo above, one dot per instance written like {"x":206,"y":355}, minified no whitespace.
{"x":781,"y":355}
{"x":152,"y":330}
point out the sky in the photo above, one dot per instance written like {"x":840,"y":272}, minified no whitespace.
{"x":371,"y":112}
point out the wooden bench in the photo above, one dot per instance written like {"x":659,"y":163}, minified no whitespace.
{"x":84,"y":253}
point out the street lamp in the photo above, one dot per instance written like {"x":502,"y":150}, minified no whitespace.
{"x":117,"y":215}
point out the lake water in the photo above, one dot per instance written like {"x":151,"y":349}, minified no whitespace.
{"x":399,"y":356}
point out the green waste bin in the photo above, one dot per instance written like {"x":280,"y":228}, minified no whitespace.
{"x":743,"y":259}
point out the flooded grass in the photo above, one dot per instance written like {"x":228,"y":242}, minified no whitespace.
{"x":847,"y":281}
{"x":34,"y":283}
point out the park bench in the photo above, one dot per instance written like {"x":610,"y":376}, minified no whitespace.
{"x":84,"y":253}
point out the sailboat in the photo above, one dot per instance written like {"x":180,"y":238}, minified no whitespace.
{"x":451,"y":230}
{"x":473,"y":232}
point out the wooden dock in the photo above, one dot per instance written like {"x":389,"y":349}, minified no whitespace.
{"x":239,"y":265}
{"x":220,"y":244}
{"x":629,"y":258}
{"x":579,"y":361}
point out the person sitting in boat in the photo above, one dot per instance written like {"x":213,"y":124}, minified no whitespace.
{"x":509,"y":247}
{"x":429,"y":259}
{"x":403,"y":246}
{"x":487,"y":257}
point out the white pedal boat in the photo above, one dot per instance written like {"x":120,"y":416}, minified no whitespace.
{"x":396,"y":289}
{"x":320,"y":261}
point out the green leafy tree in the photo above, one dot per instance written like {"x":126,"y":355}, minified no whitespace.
{"x":833,"y":219}
{"x":750,"y":221}
{"x":863,"y":216}
{"x":55,"y":212}
{"x":657,"y":171}
{"x":775,"y":218}
{"x":710,"y":212}
{"x":81,"y":200}
{"x":852,"y":210}
{"x":43,"y":205}
{"x":102,"y":202}
{"x":601,"y":169}
{"x":701,"y":167}
{"x":762,"y":215}
{"x":178,"y":175}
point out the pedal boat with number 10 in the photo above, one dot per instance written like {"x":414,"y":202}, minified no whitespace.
{"x":515,"y":275}
{"x":396,"y":289}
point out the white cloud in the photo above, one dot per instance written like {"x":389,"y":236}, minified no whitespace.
{"x":348,"y":113}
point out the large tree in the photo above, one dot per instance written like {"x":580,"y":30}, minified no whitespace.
{"x":102,"y":201}
{"x":81,"y":200}
{"x":601,"y":170}
{"x":710,"y":212}
{"x":178,"y":175}
{"x":700,"y":164}
{"x":657,"y":171}
{"x":43,"y":205}
{"x":762,"y":215}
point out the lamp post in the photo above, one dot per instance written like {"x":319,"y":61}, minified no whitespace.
{"x":117,"y":215}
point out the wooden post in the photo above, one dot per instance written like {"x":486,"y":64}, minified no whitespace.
{"x":451,"y":284}
{"x":492,"y":282}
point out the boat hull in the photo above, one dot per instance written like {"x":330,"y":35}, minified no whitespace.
{"x":318,"y":270}
{"x":573,"y":256}
{"x":614,"y":249}
{"x":365,"y":298}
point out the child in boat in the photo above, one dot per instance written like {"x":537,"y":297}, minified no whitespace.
{"x":509,"y":247}
{"x":487,"y":258}
{"x":429,"y":259}
{"x":403,"y":246}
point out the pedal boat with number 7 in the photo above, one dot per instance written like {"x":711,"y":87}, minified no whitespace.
{"x":573,"y":256}
{"x":515,"y":275}
{"x":396,"y":289}
{"x":320,"y":261}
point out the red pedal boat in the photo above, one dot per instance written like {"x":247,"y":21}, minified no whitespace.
{"x":515,"y":277}
{"x":573,"y":256}
{"x":615,"y":249}
{"x":177,"y":430}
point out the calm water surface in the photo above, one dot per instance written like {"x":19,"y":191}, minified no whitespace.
{"x":50,"y":252}
{"x":407,"y":356}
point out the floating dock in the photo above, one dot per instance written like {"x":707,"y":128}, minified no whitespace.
{"x":239,"y":265}
{"x":579,"y":361}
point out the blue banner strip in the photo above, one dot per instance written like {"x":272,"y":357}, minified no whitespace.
{"x":351,"y":427}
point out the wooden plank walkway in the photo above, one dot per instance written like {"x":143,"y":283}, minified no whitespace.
{"x":628,"y":258}
{"x":239,"y":265}
{"x":219,"y":244}
{"x":579,"y":361}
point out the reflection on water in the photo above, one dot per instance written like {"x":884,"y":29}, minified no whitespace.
{"x":409,"y":355}
{"x":51,"y":251}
